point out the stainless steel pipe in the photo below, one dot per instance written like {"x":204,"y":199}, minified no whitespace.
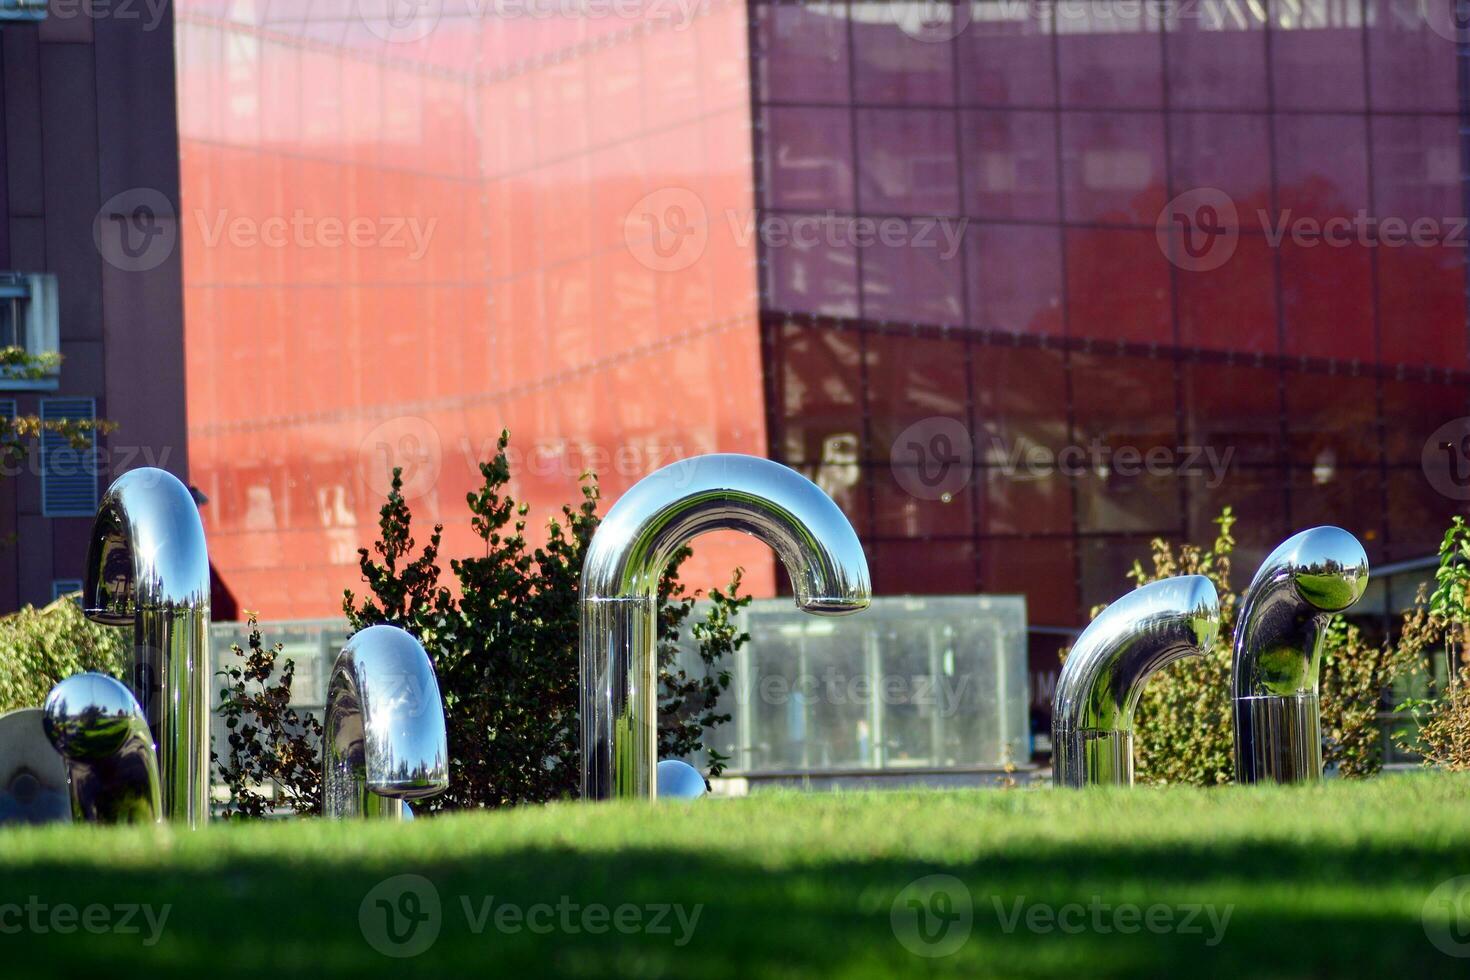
{"x":1278,"y":652}
{"x":1104,"y":675}
{"x":148,"y":568}
{"x":97,"y":726}
{"x":384,"y":739}
{"x":620,"y":575}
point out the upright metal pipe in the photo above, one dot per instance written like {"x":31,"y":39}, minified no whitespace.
{"x":148,"y":568}
{"x":1104,"y":675}
{"x":97,"y":726}
{"x":384,"y":738}
{"x":620,"y":575}
{"x":1278,"y":652}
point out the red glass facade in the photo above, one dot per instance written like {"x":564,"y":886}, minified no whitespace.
{"x":1133,"y":190}
{"x":1066,"y":234}
{"x":400,"y":239}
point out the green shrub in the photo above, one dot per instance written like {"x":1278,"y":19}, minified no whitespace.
{"x":505,"y":648}
{"x":1440,"y":733}
{"x":41,"y":647}
{"x":1184,"y":726}
{"x":271,"y":745}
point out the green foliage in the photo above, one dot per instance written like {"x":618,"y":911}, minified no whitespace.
{"x":271,"y":745}
{"x":41,"y":647}
{"x":1183,"y":725}
{"x":17,"y":433}
{"x":505,"y":643}
{"x":1441,"y":723}
{"x":1184,"y":729}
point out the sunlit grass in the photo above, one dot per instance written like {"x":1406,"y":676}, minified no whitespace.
{"x":1300,"y":882}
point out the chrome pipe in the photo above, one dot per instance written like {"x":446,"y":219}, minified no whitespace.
{"x":1278,"y":652}
{"x":384,"y":737}
{"x":1104,"y":675}
{"x":98,"y":727}
{"x":148,"y":568}
{"x":33,"y":786}
{"x":620,"y":575}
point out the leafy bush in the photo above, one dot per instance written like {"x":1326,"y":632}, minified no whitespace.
{"x":1442,"y":724}
{"x":41,"y":647}
{"x":271,"y":745}
{"x":506,"y":647}
{"x":1184,"y":726}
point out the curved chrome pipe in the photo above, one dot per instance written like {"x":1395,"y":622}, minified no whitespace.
{"x":385,"y":740}
{"x":148,"y":568}
{"x":620,"y":575}
{"x":1278,"y":652}
{"x":1104,"y":675}
{"x":33,"y":786}
{"x":111,"y":767}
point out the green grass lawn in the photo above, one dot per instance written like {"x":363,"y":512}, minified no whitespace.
{"x":1329,"y":881}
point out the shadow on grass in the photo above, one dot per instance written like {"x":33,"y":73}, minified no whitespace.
{"x":1317,"y":911}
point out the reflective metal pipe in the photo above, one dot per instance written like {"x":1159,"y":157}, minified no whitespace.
{"x":1278,"y":647}
{"x":1104,"y":675}
{"x":111,"y":766}
{"x":384,"y":737}
{"x":148,"y":568}
{"x":632,"y":546}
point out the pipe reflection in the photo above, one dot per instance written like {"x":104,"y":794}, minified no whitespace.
{"x":385,"y":741}
{"x":112,"y":770}
{"x":633,"y":545}
{"x":148,"y":568}
{"x":1278,"y":650}
{"x":33,"y":784}
{"x":1104,"y":675}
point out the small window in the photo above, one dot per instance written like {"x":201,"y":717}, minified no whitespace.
{"x":68,"y":473}
{"x":65,"y":586}
{"x":29,"y":320}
